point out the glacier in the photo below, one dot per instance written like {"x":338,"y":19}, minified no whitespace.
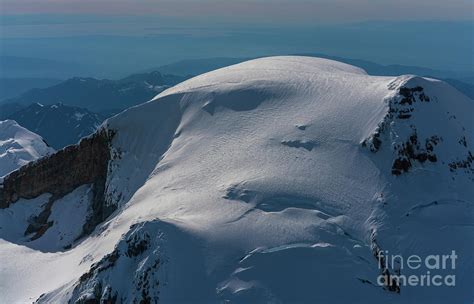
{"x":276,"y":180}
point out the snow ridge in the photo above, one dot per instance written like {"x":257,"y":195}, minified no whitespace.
{"x":252,"y":184}
{"x":18,"y":146}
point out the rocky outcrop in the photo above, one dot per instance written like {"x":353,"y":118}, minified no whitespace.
{"x":410,"y":149}
{"x":138,"y":250}
{"x":414,"y":150}
{"x":403,"y":134}
{"x":61,"y":173}
{"x":390,"y":280}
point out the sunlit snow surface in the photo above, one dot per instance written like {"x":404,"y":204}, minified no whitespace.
{"x":253,"y":186}
{"x":18,"y":146}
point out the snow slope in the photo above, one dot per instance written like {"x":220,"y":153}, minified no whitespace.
{"x":272,"y":181}
{"x":19,"y":146}
{"x":68,"y":215}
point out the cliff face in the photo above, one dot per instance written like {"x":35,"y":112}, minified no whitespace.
{"x":60,"y":173}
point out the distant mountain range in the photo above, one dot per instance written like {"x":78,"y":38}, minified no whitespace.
{"x":60,"y":125}
{"x":65,"y":112}
{"x":197,"y":66}
{"x":112,"y":96}
{"x":9,"y":108}
{"x":464,"y":82}
{"x":53,"y":112}
{"x":12,"y":87}
{"x":101,"y":94}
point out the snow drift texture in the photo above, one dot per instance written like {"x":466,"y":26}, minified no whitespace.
{"x":275,"y":181}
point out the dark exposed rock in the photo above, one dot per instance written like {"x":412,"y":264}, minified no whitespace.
{"x":411,"y":94}
{"x":137,"y":244}
{"x":101,"y":208}
{"x":463,"y":164}
{"x":39,"y":224}
{"x":374,"y":142}
{"x":412,"y":148}
{"x":107,"y":262}
{"x":137,"y":250}
{"x":61,"y":173}
{"x":390,"y":281}
{"x":400,"y":165}
{"x":402,"y":108}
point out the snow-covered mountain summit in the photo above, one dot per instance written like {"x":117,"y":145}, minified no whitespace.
{"x":18,"y":146}
{"x":275,"y":180}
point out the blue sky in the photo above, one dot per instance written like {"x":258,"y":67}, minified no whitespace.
{"x":260,"y":10}
{"x":115,"y":37}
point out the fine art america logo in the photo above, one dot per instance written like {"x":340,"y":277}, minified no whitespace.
{"x":431,"y":270}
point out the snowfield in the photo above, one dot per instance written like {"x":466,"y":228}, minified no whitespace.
{"x":18,"y":146}
{"x":270,"y":181}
